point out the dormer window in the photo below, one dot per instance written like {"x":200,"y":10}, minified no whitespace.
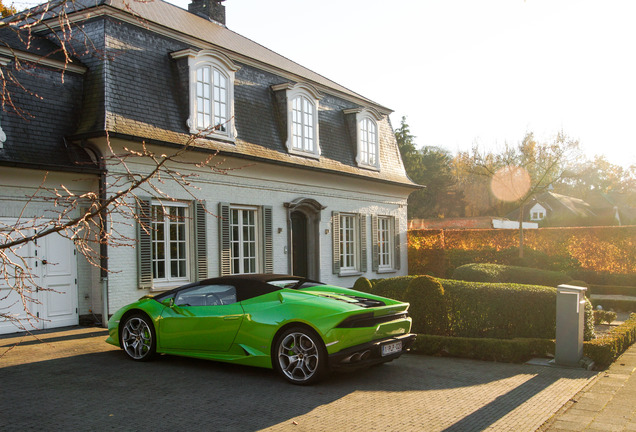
{"x":368,"y":142}
{"x":366,"y":136}
{"x":299,"y":105}
{"x":211,"y":93}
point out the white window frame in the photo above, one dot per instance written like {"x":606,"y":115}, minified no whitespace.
{"x":168,"y":279}
{"x":301,"y":92}
{"x":386,"y":246}
{"x":537,"y":212}
{"x":354,"y":252}
{"x":216,"y":61}
{"x":369,"y":116}
{"x":241,"y":242}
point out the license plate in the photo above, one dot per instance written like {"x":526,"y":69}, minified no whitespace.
{"x":391,"y":348}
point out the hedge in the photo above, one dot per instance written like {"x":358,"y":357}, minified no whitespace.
{"x":584,"y":253}
{"x":505,"y":273}
{"x":612,"y":290}
{"x":485,"y":310}
{"x":615,"y":304}
{"x":501,"y":350}
{"x":607,"y":348}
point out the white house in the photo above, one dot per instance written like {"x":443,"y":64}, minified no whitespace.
{"x":315,"y":185}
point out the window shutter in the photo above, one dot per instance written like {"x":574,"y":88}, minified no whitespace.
{"x":144,"y":239}
{"x":225,"y":252}
{"x":363,"y":242}
{"x":374,"y":240}
{"x":335,"y":240}
{"x":268,"y":241}
{"x":200,"y":243}
{"x":396,"y":244}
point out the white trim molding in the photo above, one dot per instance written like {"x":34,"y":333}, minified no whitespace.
{"x":367,"y":158}
{"x":303,"y":103}
{"x":220,"y":68}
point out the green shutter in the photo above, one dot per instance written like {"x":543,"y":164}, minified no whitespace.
{"x":363,"y":242}
{"x":374,"y":240}
{"x":268,"y":241}
{"x":200,"y":241}
{"x":335,"y":240}
{"x":225,"y":252}
{"x":396,"y":232}
{"x":144,"y":246}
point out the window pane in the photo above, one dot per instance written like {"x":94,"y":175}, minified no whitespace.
{"x":169,"y":242}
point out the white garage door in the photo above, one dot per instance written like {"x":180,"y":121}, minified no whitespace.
{"x":54,"y":267}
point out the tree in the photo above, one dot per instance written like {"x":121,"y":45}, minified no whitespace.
{"x":6,"y":11}
{"x":85,"y":218}
{"x":430,"y":167}
{"x":520,"y":172}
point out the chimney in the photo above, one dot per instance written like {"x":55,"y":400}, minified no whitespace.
{"x":210,"y":9}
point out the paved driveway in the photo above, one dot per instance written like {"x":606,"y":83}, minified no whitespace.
{"x":75,"y":381}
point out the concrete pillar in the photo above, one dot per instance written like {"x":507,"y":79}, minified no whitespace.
{"x":570,"y":325}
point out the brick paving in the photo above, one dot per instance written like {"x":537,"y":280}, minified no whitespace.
{"x":608,"y":403}
{"x":72,"y":380}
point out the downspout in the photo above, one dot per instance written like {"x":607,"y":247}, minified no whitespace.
{"x":103,"y":239}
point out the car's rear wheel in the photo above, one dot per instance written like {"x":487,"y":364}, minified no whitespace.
{"x":299,"y":356}
{"x":138,"y":337}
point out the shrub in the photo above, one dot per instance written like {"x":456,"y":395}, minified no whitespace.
{"x":394,"y":288}
{"x":588,"y":329}
{"x":606,"y":349}
{"x":504,"y":273}
{"x":500,"y":310}
{"x":600,"y":278}
{"x":619,"y":305}
{"x":613,"y":290}
{"x":601,"y":316}
{"x":362,"y":284}
{"x":428,"y":305}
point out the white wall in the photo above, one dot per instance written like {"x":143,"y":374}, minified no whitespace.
{"x":22,"y":196}
{"x":265,"y":184}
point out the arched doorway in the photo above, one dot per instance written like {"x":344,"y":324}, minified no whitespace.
{"x":303,"y":221}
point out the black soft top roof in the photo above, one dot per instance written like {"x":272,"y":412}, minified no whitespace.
{"x":247,"y":285}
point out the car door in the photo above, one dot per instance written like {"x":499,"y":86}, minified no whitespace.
{"x":202,"y":318}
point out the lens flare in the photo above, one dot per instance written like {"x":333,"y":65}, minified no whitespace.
{"x":510,"y":183}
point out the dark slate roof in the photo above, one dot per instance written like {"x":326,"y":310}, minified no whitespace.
{"x":47,"y":109}
{"x":136,"y":91}
{"x":556,"y":205}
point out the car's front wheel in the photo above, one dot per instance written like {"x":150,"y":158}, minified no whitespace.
{"x":138,"y":337}
{"x":299,"y":356}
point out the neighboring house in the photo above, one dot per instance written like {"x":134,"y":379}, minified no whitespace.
{"x":319,"y":190}
{"x":550,"y":207}
{"x":479,"y":222}
{"x":613,"y":208}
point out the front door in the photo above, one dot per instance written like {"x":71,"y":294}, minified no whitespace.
{"x":59,"y":275}
{"x":299,"y":244}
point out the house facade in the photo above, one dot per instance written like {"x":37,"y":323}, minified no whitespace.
{"x":308,"y":176}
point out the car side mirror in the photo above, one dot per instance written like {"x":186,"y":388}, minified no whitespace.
{"x":169,"y":302}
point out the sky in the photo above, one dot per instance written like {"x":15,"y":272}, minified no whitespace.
{"x":466,"y":72}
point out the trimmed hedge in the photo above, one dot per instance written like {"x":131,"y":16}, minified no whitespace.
{"x":501,"y":350}
{"x":619,"y":305}
{"x":598,"y":255}
{"x":609,"y":347}
{"x":505,"y":273}
{"x":485,"y":310}
{"x":612,"y":290}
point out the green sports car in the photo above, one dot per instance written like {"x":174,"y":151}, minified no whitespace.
{"x":300,"y":328}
